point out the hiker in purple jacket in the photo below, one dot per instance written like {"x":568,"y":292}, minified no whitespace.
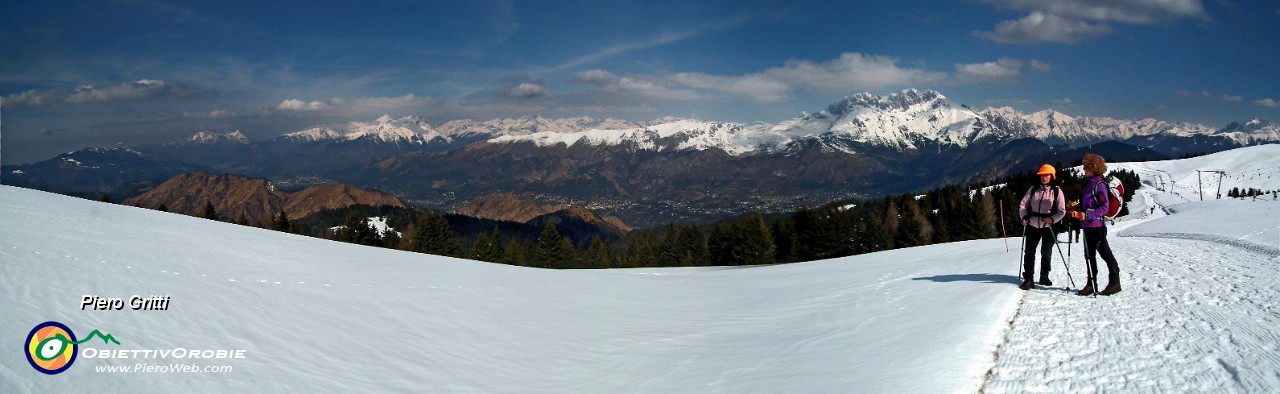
{"x":1093,"y":209}
{"x":1042,"y":206}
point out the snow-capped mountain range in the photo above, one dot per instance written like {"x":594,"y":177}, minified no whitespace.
{"x":901,"y":121}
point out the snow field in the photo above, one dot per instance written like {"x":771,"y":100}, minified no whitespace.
{"x":316,"y":315}
{"x":1199,"y":311}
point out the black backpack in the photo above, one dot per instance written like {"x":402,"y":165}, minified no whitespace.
{"x":1053,"y":201}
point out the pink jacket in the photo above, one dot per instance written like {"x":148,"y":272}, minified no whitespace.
{"x":1040,"y":203}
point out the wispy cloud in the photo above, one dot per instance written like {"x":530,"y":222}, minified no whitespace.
{"x":1122,"y":11}
{"x":1068,"y":21}
{"x":359,"y":104}
{"x":661,"y":39}
{"x":1210,"y":95}
{"x":1002,"y":71}
{"x":1268,"y":102}
{"x":1042,"y":27}
{"x":215,"y":114}
{"x":141,"y":90}
{"x":605,"y":83}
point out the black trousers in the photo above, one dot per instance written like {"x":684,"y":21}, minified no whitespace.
{"x":1044,"y":238}
{"x":1095,"y":243}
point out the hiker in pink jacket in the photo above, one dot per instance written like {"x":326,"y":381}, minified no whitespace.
{"x":1041,"y":206}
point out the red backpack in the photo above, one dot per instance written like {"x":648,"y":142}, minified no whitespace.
{"x":1115,"y":196}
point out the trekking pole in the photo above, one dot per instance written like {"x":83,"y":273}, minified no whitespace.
{"x":1023,"y":242}
{"x":1059,"y":246}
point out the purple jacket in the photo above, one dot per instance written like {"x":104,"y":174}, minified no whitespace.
{"x":1094,"y":202}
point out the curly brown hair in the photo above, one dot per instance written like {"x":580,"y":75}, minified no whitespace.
{"x":1095,"y":164}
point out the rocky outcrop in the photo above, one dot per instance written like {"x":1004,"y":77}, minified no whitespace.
{"x":254,"y":199}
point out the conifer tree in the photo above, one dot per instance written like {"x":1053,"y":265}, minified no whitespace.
{"x":874,"y":236}
{"x":641,"y":251}
{"x":691,"y":247}
{"x":516,"y":253}
{"x":667,"y":252}
{"x":746,"y":241}
{"x":784,"y":238}
{"x":356,"y":230}
{"x":598,"y":254}
{"x":432,"y":235}
{"x":758,"y":242}
{"x":208,"y":212}
{"x":908,"y":233}
{"x":281,"y":222}
{"x":552,"y":251}
{"x":488,"y":247}
{"x":391,"y":239}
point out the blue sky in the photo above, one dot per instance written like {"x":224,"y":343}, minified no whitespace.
{"x":77,"y":74}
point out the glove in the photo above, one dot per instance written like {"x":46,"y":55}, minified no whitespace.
{"x":1077,"y":215}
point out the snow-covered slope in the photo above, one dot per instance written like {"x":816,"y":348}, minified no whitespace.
{"x":899,"y":121}
{"x":410,"y":130}
{"x":205,"y":137}
{"x":1198,"y":312}
{"x":1056,"y":127}
{"x":315,"y":315}
{"x":1255,"y":167}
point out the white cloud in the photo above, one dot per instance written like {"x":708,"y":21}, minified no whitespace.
{"x":651,"y":89}
{"x":1122,"y":11}
{"x":31,"y":98}
{"x":596,"y":77}
{"x":1040,"y":66}
{"x":407,"y":100}
{"x":209,"y":115}
{"x":1268,"y":102}
{"x":754,"y":85}
{"x":299,"y":105}
{"x":528,"y":90}
{"x":1042,"y":27}
{"x":1068,"y":21}
{"x":849,"y":72}
{"x":363,"y":103}
{"x":1231,"y":98}
{"x":1004,"y":70}
{"x":145,"y":89}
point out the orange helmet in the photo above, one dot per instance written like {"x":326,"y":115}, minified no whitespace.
{"x":1048,"y":170}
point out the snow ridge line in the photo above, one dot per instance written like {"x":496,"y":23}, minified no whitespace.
{"x":1265,"y":250}
{"x":1004,"y":340}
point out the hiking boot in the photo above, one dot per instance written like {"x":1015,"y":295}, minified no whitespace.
{"x":1044,"y":280}
{"x":1112,"y":288}
{"x":1027,"y":284}
{"x":1087,"y":290}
